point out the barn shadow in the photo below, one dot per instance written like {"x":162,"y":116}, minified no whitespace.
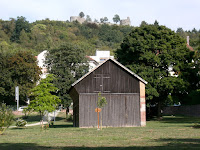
{"x":172,"y":144}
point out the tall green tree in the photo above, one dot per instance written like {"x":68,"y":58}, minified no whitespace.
{"x":67,"y":63}
{"x":20,"y":24}
{"x":81,"y":14}
{"x":116,"y":18}
{"x":150,"y":51}
{"x":17,"y":69}
{"x":43,"y":99}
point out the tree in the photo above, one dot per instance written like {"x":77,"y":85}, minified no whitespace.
{"x":143,"y":23}
{"x":43,"y":99}
{"x":88,"y":19}
{"x":116,"y":18}
{"x":101,"y":103}
{"x":179,"y":30}
{"x":81,"y":14}
{"x":95,"y":20}
{"x":23,"y":39}
{"x":149,"y":51}
{"x":20,"y":24}
{"x":68,"y":63}
{"x":17,"y":69}
{"x":6,"y":117}
{"x":103,"y":20}
{"x":156,"y":23}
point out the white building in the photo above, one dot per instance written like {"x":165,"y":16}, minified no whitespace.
{"x":41,"y":63}
{"x":99,"y":57}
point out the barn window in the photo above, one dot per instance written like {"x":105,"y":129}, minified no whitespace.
{"x":102,"y":83}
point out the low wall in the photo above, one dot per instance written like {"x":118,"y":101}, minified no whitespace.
{"x":189,"y":110}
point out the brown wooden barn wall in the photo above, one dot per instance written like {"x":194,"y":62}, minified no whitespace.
{"x":121,"y":90}
{"x":108,"y":78}
{"x":121,"y":110}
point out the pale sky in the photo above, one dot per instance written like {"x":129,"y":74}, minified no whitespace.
{"x":171,"y":13}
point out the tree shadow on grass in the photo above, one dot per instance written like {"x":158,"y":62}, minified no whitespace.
{"x":188,"y":143}
{"x":62,"y":126}
{"x":168,"y":144}
{"x":32,"y":118}
{"x":180,"y":119}
{"x":18,"y":128}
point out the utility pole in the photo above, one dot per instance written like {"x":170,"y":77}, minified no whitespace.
{"x":17,"y":96}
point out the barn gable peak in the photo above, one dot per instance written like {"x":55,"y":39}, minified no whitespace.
{"x":116,"y":62}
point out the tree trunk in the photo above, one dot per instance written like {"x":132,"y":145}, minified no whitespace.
{"x":101,"y":120}
{"x":67,"y":111}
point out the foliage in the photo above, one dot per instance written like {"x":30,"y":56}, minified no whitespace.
{"x":103,"y":20}
{"x":47,"y":34}
{"x":116,"y":18}
{"x":69,"y":117}
{"x":42,"y":97}
{"x":150,"y":51}
{"x":17,"y":69}
{"x":6,"y":117}
{"x":67,"y":63}
{"x":194,"y":36}
{"x":81,"y":14}
{"x":21,"y":123}
{"x":20,"y":24}
{"x":192,"y":98}
{"x":88,"y":19}
{"x":100,"y":104}
{"x":101,"y":101}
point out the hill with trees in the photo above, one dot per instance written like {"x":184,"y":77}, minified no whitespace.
{"x":45,"y":34}
{"x":18,"y":36}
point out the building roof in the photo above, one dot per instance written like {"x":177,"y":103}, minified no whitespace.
{"x":116,"y":62}
{"x":190,"y":48}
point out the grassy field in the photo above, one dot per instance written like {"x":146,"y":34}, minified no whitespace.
{"x":169,"y":133}
{"x":32,"y":118}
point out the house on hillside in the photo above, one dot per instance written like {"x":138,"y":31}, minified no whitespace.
{"x":123,"y":90}
{"x":41,"y":63}
{"x":100,"y":57}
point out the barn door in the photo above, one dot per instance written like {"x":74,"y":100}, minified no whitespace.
{"x":106,"y":83}
{"x":97,"y":83}
{"x":102,"y":83}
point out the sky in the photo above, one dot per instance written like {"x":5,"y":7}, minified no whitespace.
{"x":171,"y":13}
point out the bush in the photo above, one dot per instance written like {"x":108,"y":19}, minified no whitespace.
{"x":21,"y":123}
{"x":6,"y":117}
{"x":69,"y":117}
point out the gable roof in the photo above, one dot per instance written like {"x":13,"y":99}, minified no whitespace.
{"x":116,"y":62}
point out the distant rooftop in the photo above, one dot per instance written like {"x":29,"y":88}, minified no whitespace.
{"x":101,"y":55}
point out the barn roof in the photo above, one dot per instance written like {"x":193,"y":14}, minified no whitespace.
{"x":116,"y":62}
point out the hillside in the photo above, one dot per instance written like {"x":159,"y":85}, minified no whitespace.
{"x":18,"y":34}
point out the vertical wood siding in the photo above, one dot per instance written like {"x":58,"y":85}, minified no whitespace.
{"x":109,"y":78}
{"x":121,"y":90}
{"x":121,"y":110}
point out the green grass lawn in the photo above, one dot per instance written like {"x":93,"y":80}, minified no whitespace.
{"x":32,"y":118}
{"x":169,"y":133}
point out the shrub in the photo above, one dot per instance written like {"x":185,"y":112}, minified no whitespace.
{"x":69,"y":117}
{"x":196,"y":125}
{"x":21,"y":123}
{"x":6,"y":117}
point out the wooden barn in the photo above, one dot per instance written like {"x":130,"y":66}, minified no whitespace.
{"x":123,"y":90}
